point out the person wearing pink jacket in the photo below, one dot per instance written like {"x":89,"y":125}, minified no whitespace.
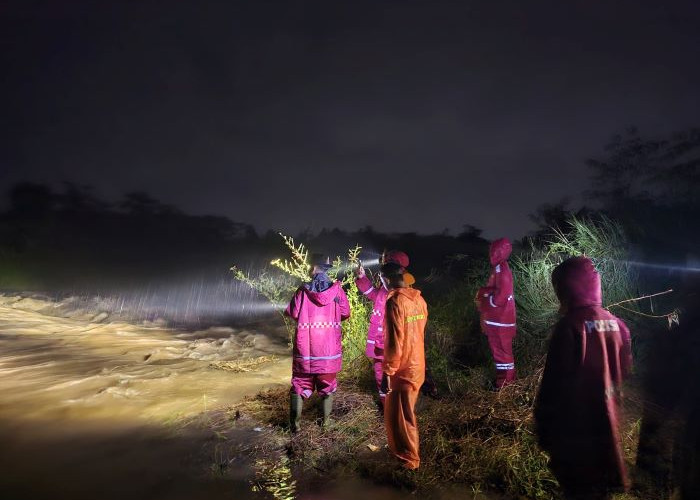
{"x":374,"y":349}
{"x":497,"y":312}
{"x":318,"y":307}
{"x":576,"y":413}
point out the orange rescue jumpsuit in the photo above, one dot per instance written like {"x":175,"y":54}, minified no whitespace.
{"x":404,"y":364}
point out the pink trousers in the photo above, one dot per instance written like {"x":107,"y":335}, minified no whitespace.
{"x":304,"y":384}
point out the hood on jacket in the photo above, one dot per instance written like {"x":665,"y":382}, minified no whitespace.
{"x":499,"y":251}
{"x":326,"y":296}
{"x":319,"y":282}
{"x":577,"y":283}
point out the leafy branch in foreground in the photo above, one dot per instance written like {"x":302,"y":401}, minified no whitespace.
{"x":298,"y":266}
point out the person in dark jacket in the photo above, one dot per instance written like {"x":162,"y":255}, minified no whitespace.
{"x":576,"y":411}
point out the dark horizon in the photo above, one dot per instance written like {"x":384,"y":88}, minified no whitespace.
{"x":115,"y":205}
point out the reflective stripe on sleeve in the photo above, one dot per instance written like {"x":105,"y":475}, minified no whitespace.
{"x":505,"y":366}
{"x":493,"y":323}
{"x":510,"y":297}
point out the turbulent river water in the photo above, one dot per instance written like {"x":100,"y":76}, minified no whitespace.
{"x":94,"y":408}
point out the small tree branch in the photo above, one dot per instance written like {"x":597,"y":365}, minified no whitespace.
{"x":639,"y":298}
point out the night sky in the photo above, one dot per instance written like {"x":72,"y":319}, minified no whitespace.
{"x":404,"y":115}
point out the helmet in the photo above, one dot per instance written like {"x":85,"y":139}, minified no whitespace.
{"x":395,"y":256}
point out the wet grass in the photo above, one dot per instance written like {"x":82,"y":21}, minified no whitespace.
{"x":477,"y":439}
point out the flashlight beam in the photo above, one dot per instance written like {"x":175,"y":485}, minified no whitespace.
{"x":370,"y":262}
{"x":665,"y":267}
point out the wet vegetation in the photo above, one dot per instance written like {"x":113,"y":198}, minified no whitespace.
{"x":469,"y":435}
{"x":483,"y":440}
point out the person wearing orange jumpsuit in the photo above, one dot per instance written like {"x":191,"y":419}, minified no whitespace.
{"x":404,"y":364}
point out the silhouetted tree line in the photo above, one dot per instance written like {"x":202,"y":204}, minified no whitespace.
{"x":71,"y":237}
{"x":651,"y":186}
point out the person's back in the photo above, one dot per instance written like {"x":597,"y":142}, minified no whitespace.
{"x":576,"y":411}
{"x":405,"y":352}
{"x":318,"y":307}
{"x":318,"y":342}
{"x":404,"y":364}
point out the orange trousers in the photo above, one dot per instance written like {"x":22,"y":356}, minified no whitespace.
{"x":400,"y":422}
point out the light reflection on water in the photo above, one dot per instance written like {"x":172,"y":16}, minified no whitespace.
{"x":181,"y":303}
{"x":96,"y":409}
{"x":56,"y":367}
{"x":275,"y":478}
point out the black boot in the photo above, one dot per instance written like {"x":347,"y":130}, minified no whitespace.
{"x":326,"y":407}
{"x":296,"y":403}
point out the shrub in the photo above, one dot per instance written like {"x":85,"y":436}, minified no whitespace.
{"x":453,"y":339}
{"x":603,"y":241}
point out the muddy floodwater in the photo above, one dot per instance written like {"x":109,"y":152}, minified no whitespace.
{"x":93,"y":409}
{"x":96,"y":408}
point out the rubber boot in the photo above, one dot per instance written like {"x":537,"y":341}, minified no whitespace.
{"x":326,"y":407}
{"x":380,"y":404}
{"x":296,"y":403}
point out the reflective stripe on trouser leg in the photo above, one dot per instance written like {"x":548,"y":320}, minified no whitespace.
{"x":501,"y":344}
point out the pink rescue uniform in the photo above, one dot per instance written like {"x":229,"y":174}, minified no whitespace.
{"x":576,"y":411}
{"x":497,"y":311}
{"x":374,"y":349}
{"x":318,"y":352}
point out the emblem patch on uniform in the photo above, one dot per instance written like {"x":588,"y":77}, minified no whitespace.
{"x":602,"y":325}
{"x":415,"y":317}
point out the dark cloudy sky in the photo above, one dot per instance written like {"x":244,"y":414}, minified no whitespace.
{"x":406,"y":115}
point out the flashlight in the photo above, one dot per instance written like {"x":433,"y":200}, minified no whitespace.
{"x":369,"y":263}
